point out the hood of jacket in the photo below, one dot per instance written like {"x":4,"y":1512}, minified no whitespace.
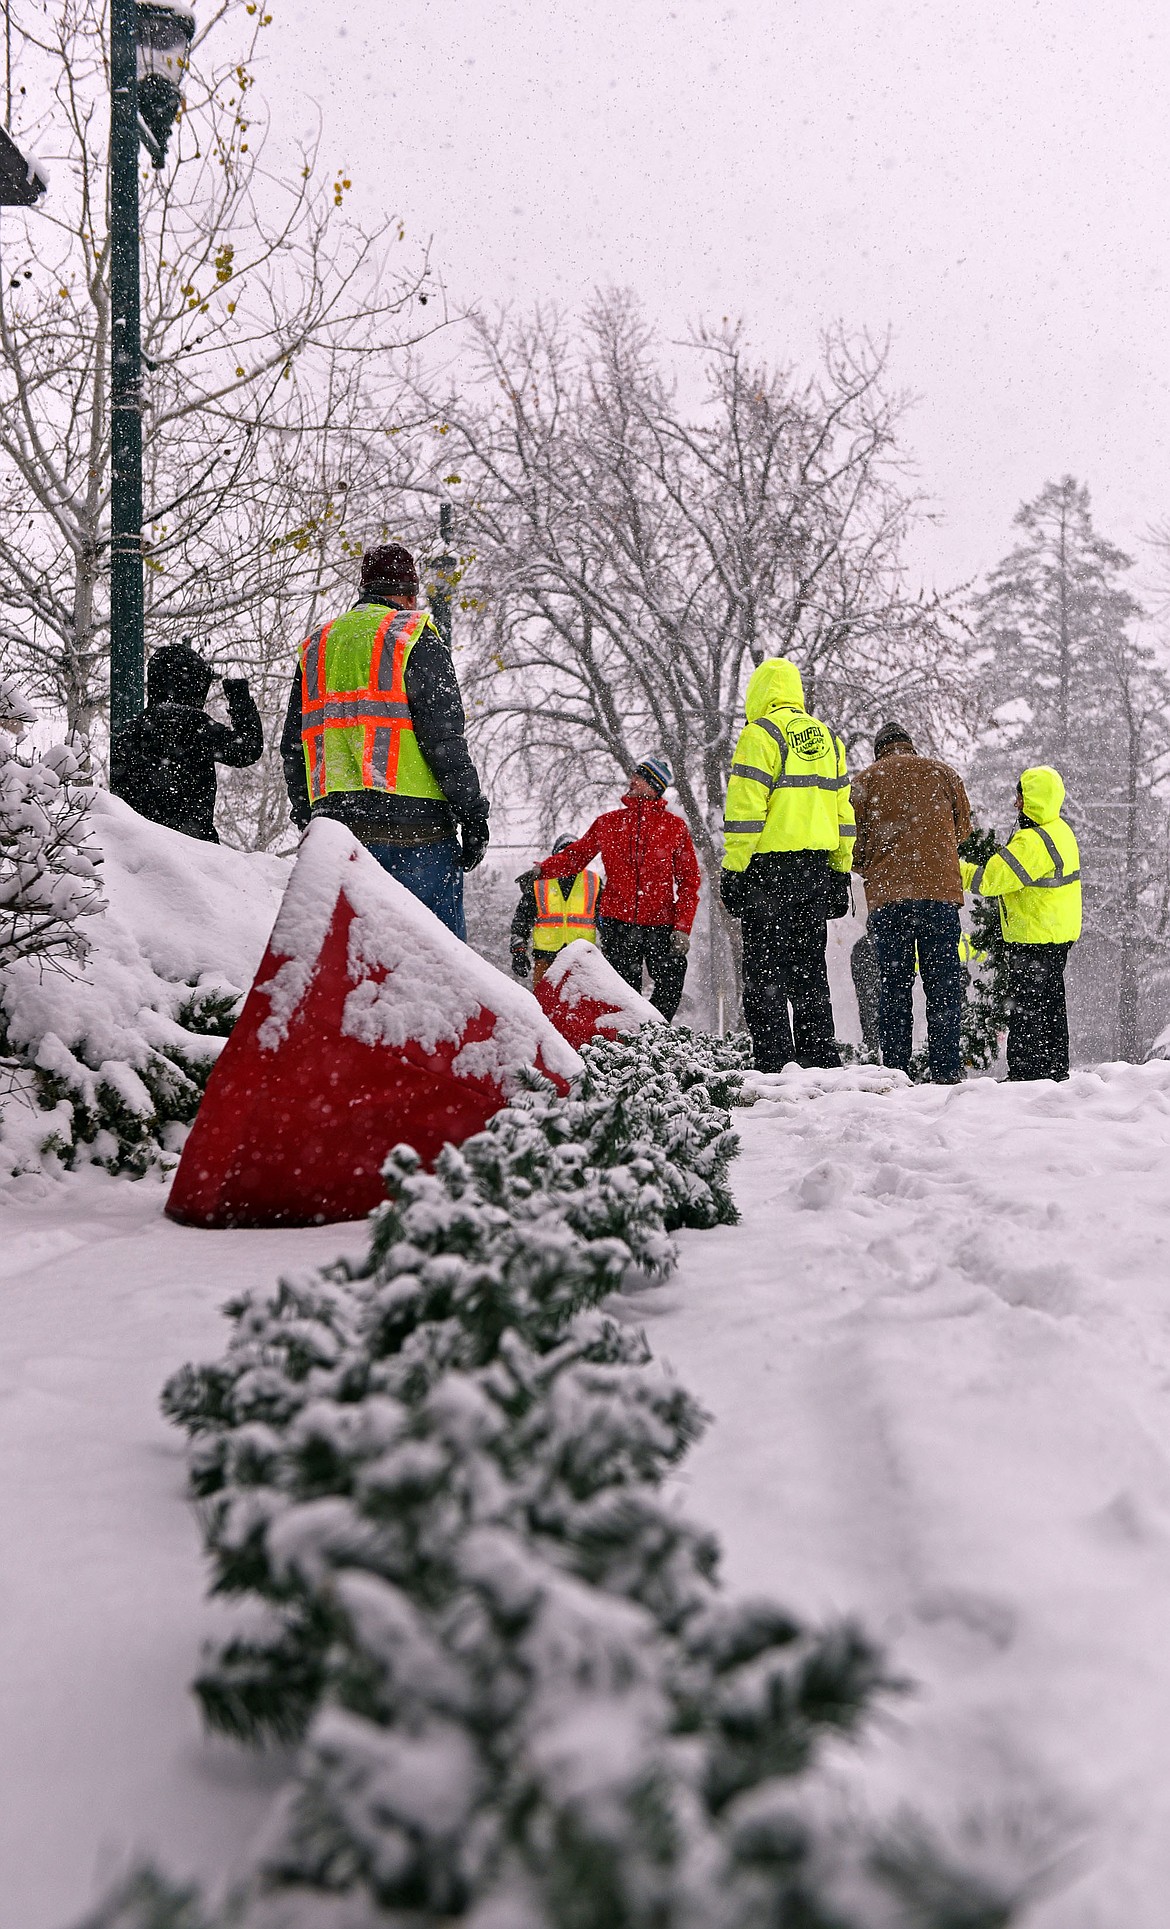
{"x":1042,"y":790}
{"x":178,"y":674}
{"x":771,"y":683}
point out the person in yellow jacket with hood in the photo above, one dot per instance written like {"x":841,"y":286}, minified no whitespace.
{"x":787,"y":854}
{"x":1037,"y":879}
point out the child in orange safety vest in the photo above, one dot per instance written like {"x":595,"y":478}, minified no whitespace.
{"x":552,"y":913}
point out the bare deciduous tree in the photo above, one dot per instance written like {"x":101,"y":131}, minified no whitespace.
{"x":638,"y":550}
{"x":273,"y":329}
{"x":636,"y":556}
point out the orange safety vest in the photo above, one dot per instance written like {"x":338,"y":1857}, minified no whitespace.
{"x":560,"y":919}
{"x":356,"y":728}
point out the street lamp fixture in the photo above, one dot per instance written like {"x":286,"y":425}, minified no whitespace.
{"x":21,"y":183}
{"x":164,"y":35}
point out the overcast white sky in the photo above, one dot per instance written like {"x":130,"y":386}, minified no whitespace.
{"x":988,"y":179}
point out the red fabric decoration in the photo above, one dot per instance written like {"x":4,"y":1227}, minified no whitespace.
{"x":293,"y":1130}
{"x":585,"y":997}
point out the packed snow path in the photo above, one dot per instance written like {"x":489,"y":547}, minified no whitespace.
{"x":102,"y":1614}
{"x":937,"y":1356}
{"x":937,"y":1353}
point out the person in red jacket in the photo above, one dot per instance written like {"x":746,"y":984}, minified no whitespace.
{"x":651,"y":888}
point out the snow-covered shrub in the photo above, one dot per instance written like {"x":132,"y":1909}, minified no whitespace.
{"x":49,"y":864}
{"x":522,"y":1701}
{"x":113,"y":1056}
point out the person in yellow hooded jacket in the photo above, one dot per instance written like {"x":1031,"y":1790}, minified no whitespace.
{"x":787,"y":854}
{"x":1037,"y":879}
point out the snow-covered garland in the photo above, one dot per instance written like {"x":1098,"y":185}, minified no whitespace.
{"x":523,"y":1702}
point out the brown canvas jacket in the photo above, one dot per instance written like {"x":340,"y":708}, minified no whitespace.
{"x":912,"y":814}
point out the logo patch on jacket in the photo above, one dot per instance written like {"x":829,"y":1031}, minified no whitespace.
{"x":809,"y":741}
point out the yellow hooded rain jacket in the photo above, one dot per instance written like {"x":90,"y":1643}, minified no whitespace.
{"x":1037,"y":878}
{"x":788,"y":790}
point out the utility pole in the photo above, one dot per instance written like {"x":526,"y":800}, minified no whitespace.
{"x":444,"y":567}
{"x":147,"y":42}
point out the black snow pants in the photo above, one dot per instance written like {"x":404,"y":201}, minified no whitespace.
{"x":784,"y":964}
{"x":1037,"y":1040}
{"x":629,"y":947}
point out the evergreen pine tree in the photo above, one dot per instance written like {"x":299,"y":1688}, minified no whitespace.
{"x":985,"y":1007}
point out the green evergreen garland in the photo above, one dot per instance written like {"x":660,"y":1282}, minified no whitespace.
{"x":522,"y":1701}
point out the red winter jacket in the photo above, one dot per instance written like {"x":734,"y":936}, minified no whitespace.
{"x":651,"y":871}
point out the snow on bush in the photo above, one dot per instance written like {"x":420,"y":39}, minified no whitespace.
{"x":114,"y":1055}
{"x":416,"y":981}
{"x":580,"y":970}
{"x":521,"y":1698}
{"x":48,"y":863}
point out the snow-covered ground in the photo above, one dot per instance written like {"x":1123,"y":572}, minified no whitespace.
{"x":937,"y":1353}
{"x":101,"y":1583}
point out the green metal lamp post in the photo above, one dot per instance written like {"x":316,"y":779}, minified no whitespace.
{"x":148,"y":43}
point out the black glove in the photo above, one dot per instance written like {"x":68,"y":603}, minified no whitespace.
{"x":521,"y":965}
{"x":731,"y":891}
{"x":838,"y":896}
{"x":474,"y":837}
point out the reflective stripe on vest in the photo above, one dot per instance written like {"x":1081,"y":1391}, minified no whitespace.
{"x":376,"y":716}
{"x":1059,"y":876}
{"x":560,"y":919}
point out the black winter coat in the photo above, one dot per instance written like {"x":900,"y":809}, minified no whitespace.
{"x":163,"y":764}
{"x":436,"y":712}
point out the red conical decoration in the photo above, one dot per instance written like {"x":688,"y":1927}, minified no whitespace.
{"x":368,"y":1025}
{"x":584,"y":996}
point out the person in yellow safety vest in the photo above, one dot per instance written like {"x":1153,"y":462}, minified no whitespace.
{"x":1037,"y":879}
{"x":552,"y":912}
{"x":787,"y":853}
{"x":374,"y":737}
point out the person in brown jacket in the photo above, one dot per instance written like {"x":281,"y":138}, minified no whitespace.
{"x":912,"y":815}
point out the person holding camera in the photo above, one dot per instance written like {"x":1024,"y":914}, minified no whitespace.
{"x":375,"y":738}
{"x":163,"y":764}
{"x":787,"y":854}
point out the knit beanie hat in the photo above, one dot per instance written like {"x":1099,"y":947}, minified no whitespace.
{"x":656,"y":772}
{"x":391,"y":571}
{"x":888,"y":735}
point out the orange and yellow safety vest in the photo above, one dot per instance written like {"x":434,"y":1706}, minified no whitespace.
{"x":356,"y":729}
{"x":560,"y":919}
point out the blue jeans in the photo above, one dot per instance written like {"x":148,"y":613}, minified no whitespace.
{"x":432,"y":872}
{"x":897,"y":929}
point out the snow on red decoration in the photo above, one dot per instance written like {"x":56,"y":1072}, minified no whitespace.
{"x":583,"y":995}
{"x":368,"y":1025}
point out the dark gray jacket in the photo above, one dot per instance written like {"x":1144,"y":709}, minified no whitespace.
{"x":163,"y":764}
{"x":436,"y":712}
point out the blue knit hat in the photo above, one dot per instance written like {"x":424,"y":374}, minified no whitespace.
{"x":656,"y":772}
